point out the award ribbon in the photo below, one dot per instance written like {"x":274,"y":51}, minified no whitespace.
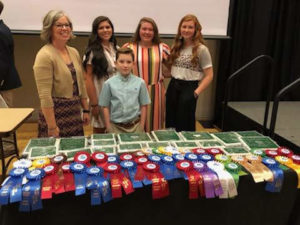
{"x":113,"y":159}
{"x":83,"y":157}
{"x":273,"y":165}
{"x":126,"y":156}
{"x":205,"y":158}
{"x":296,"y":159}
{"x":12,"y":187}
{"x":258,"y":152}
{"x":225,"y":178}
{"x":98,"y":185}
{"x":140,"y":175}
{"x":100,"y":158}
{"x":222,"y":158}
{"x":214,"y":151}
{"x":59,"y":183}
{"x":191,"y":157}
{"x":49,"y":181}
{"x":160,"y":187}
{"x":168,"y":168}
{"x":139,"y":153}
{"x":68,"y":178}
{"x":118,"y":180}
{"x":284,"y":152}
{"x":200,"y":167}
{"x":234,"y":170}
{"x":192,"y":175}
{"x":40,"y":163}
{"x":178,"y":157}
{"x":198,"y":151}
{"x":129,"y":169}
{"x":289,"y":163}
{"x":78,"y":169}
{"x":154,"y":158}
{"x":22,"y":163}
{"x":256,"y":161}
{"x":257,"y":176}
{"x":271,"y":153}
{"x":31,"y":191}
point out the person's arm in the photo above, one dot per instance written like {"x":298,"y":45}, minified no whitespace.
{"x":53,"y":129}
{"x":85,"y":115}
{"x":143,"y":117}
{"x":106,"y":115}
{"x":208,"y":77}
{"x":91,"y":91}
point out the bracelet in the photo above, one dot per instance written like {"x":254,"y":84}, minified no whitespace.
{"x":95,"y":105}
{"x":85,"y":111}
{"x":52,"y":128}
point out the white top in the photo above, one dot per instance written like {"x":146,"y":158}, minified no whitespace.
{"x":183,"y":69}
{"x":110,"y":55}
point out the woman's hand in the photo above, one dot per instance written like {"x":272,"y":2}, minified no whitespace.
{"x":96,"y":112}
{"x":85,"y":119}
{"x":53,"y":132}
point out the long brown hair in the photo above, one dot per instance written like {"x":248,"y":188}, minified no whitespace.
{"x":136,"y":37}
{"x":179,"y":42}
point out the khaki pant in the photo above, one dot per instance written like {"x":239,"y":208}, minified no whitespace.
{"x":8,"y":97}
{"x":118,"y":129}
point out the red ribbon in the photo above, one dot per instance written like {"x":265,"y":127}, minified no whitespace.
{"x":83,"y":157}
{"x":140,"y":161}
{"x":285,"y":152}
{"x":59,"y":184}
{"x":68,"y":177}
{"x":118,"y":180}
{"x":100,"y":158}
{"x":49,"y":181}
{"x":198,"y":151}
{"x":214,"y":151}
{"x":160,"y":187}
{"x":194,"y":177}
{"x":271,"y":153}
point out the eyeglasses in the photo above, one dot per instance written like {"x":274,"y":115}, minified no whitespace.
{"x":61,"y":26}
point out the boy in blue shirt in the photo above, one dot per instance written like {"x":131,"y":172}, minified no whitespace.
{"x":124,"y":97}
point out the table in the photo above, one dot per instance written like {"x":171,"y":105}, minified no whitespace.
{"x":10,"y":120}
{"x":252,"y":206}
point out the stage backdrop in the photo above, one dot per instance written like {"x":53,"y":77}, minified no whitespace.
{"x":27,"y":15}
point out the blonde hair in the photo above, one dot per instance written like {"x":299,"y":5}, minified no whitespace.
{"x":179,"y":42}
{"x":136,"y":37}
{"x":51,"y":17}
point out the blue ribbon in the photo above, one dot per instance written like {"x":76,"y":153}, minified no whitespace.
{"x":12,"y":187}
{"x":191,"y":156}
{"x":169,"y":169}
{"x":92,"y":183}
{"x":113,"y":159}
{"x":78,"y":169}
{"x":31,"y":191}
{"x":130,"y":167}
{"x":178,"y":157}
{"x":154,"y":158}
{"x":205,"y":158}
{"x":105,"y":189}
{"x":276,"y":184}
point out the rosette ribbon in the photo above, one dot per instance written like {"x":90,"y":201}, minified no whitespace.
{"x":234,"y":170}
{"x":48,"y":184}
{"x":113,"y":159}
{"x":40,"y":163}
{"x":259,"y":152}
{"x":205,"y":158}
{"x":214,"y":151}
{"x":129,"y":169}
{"x":178,"y":157}
{"x":68,"y":178}
{"x":160,"y":187}
{"x":12,"y":187}
{"x":22,"y":163}
{"x":191,"y":157}
{"x":198,"y":151}
{"x":31,"y":191}
{"x":59,"y":183}
{"x":271,"y":153}
{"x":285,"y":152}
{"x":83,"y":157}
{"x":126,"y":156}
{"x":98,"y":185}
{"x":140,"y":174}
{"x":241,"y":160}
{"x":192,"y":175}
{"x":168,"y":168}
{"x":118,"y":180}
{"x":100,"y":158}
{"x":276,"y":184}
{"x":289,"y":163}
{"x":256,"y":161}
{"x":225,"y":178}
{"x":78,"y":170}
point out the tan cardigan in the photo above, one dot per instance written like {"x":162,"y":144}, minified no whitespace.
{"x":53,"y":77}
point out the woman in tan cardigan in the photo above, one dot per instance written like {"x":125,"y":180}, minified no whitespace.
{"x":59,"y":79}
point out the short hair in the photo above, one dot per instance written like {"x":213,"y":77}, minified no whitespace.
{"x":126,"y":51}
{"x":51,"y":17}
{"x":136,"y":37}
{"x":1,"y":7}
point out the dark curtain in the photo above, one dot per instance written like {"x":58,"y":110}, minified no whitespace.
{"x":269,"y":27}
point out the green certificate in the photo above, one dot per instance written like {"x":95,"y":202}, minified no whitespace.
{"x":157,"y":144}
{"x":166,"y":135}
{"x":134,"y":137}
{"x":129,"y":147}
{"x":67,"y":144}
{"x":39,"y":152}
{"x":103,"y":136}
{"x":186,"y":144}
{"x":236,"y":150}
{"x":251,"y":133}
{"x":208,"y":144}
{"x":228,"y":138}
{"x":107,"y":150}
{"x":71,"y":154}
{"x":259,"y":142}
{"x":39,"y":142}
{"x":194,"y":136}
{"x":104,"y":142}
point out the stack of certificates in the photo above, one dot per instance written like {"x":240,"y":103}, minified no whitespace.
{"x":104,"y":143}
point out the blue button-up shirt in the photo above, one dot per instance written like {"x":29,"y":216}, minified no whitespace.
{"x":124,"y":96}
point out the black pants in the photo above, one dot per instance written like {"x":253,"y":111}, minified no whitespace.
{"x":181,"y":105}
